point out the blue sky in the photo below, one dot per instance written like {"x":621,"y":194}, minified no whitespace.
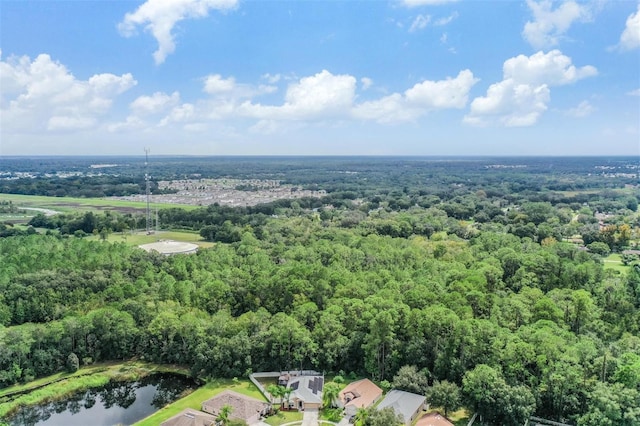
{"x":323,"y":77}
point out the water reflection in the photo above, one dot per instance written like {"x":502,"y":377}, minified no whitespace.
{"x":116,"y":403}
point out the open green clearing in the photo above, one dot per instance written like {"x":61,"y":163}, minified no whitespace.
{"x":614,"y":262}
{"x":70,"y":204}
{"x":139,"y":238}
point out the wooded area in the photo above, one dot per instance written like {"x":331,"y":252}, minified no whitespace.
{"x":492,"y":288}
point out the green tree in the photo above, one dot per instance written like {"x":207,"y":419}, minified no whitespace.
{"x":73,"y":363}
{"x":444,"y":394}
{"x":276,"y":392}
{"x":410,"y":379}
{"x":384,"y":417}
{"x":330,"y":393}
{"x":612,"y":404}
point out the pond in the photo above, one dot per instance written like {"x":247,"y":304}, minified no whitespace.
{"x":118,"y":403}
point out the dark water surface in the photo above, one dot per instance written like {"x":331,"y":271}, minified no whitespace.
{"x":118,"y":403}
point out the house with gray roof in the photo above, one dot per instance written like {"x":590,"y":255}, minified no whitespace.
{"x":408,"y":405}
{"x":306,"y":392}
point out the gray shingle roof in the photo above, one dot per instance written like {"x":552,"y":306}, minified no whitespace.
{"x":403,"y":403}
{"x":307,"y":388}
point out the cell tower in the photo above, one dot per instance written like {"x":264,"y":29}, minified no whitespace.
{"x":147,"y":179}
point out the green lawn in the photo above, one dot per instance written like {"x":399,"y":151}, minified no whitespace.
{"x":195,"y":399}
{"x":138,"y":238}
{"x":284,"y":417}
{"x":71,"y":204}
{"x":614,"y":262}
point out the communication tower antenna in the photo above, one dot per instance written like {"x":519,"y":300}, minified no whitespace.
{"x":148,"y":189}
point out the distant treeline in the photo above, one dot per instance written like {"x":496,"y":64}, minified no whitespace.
{"x":79,"y":186}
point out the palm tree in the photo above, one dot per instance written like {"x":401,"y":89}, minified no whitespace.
{"x":361,"y":416}
{"x":276,"y":391}
{"x":287,"y":394}
{"x":330,"y":394}
{"x":223,"y":415}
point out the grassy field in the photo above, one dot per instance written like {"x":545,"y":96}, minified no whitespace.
{"x":138,"y":238}
{"x":195,"y":399}
{"x":614,"y":262}
{"x":70,"y":204}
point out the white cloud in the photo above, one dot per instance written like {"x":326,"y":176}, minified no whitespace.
{"x":449,"y":93}
{"x":550,"y":25}
{"x":216,"y":84}
{"x":419,"y":100}
{"x":445,"y":21}
{"x":414,"y":3}
{"x":582,"y":110}
{"x":43,"y":95}
{"x":630,"y":38}
{"x":523,"y":94}
{"x":160,"y":16}
{"x":185,"y":112}
{"x":552,"y":68}
{"x":389,"y":109}
{"x":271,"y":78}
{"x":634,"y":92}
{"x":322,"y":95}
{"x":420,"y":22}
{"x":325,"y":96}
{"x":154,"y":104}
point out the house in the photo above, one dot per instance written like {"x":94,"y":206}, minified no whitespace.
{"x":360,"y":394}
{"x":190,"y":417}
{"x":408,"y":405}
{"x":306,"y":392}
{"x":243,"y":407}
{"x":433,"y":419}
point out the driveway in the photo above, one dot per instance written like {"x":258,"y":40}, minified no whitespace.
{"x":310,"y":417}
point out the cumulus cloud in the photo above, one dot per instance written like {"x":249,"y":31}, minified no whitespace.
{"x":583,"y":109}
{"x":630,"y":38}
{"x":216,"y":84}
{"x":322,"y":95}
{"x":549,"y":25}
{"x":221,"y":87}
{"x":524,"y":93}
{"x":552,"y":68}
{"x":160,"y":16}
{"x":414,"y":3}
{"x":43,"y":95}
{"x":154,"y":104}
{"x":419,"y":100}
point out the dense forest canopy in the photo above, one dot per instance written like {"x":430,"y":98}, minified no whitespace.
{"x":483,"y":276}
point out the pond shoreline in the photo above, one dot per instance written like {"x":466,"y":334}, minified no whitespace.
{"x":62,"y":387}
